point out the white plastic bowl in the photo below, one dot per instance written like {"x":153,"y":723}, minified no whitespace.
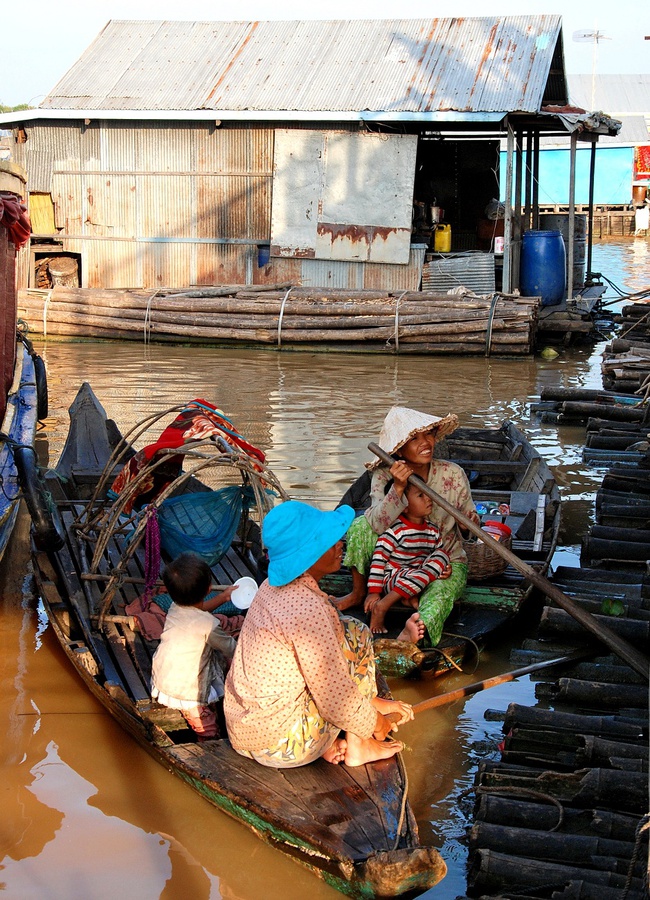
{"x":245,"y":590}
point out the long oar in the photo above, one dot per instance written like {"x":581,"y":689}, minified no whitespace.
{"x":618,"y":645}
{"x":476,"y":686}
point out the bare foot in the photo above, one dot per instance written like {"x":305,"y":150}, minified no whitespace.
{"x":361,"y":751}
{"x":336,"y":753}
{"x":377,"y":616}
{"x":413,"y":630}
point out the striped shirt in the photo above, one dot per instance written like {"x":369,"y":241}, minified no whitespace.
{"x":404,"y":548}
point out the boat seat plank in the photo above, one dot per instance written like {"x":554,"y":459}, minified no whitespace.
{"x":74,"y":591}
{"x":141,"y":650}
{"x":496,"y":466}
{"x":286,"y":797}
{"x":130,"y":677}
{"x":233,"y":566}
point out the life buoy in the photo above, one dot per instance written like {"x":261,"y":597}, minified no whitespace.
{"x":40,"y":372}
{"x":47,"y":527}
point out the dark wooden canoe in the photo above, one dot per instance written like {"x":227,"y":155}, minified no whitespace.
{"x":504,"y":470}
{"x":351,"y":826}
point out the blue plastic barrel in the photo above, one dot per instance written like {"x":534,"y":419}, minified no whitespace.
{"x":543,"y":266}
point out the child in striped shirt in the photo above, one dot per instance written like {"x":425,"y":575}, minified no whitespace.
{"x":407,"y":558}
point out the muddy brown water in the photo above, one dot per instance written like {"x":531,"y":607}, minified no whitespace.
{"x":87,"y":813}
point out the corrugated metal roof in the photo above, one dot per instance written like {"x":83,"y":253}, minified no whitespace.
{"x":616,"y":94}
{"x":406,"y":66}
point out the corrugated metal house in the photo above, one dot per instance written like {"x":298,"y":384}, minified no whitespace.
{"x":184,"y":153}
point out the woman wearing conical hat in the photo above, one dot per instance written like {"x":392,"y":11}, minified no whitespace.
{"x":411,"y":436}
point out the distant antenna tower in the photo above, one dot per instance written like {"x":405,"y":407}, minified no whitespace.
{"x":591,"y":37}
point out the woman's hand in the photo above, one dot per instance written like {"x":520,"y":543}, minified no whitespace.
{"x":473,"y":517}
{"x":404,"y":711}
{"x":400,"y":472}
{"x":395,"y":712}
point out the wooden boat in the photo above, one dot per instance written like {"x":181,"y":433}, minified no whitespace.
{"x":512,"y":485}
{"x":352,"y":826}
{"x":23,"y":391}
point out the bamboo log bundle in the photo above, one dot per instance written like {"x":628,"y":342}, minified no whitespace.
{"x":415,"y":322}
{"x":595,"y":694}
{"x":603,"y":725}
{"x":566,"y":848}
{"x":520,"y":813}
{"x":492,"y":871}
{"x":557,"y":622}
{"x":613,"y":789}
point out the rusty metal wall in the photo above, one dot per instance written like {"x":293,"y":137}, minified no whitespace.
{"x":172,"y":205}
{"x":348,"y":275}
{"x":156,"y":204}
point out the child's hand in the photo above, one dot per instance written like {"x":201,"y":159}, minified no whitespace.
{"x":370,"y":602}
{"x":446,"y":572}
{"x":212,"y":602}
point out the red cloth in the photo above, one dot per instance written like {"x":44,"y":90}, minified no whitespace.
{"x":198,"y":421}
{"x":13,"y":215}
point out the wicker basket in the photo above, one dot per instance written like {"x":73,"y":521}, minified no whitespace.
{"x":483,"y":561}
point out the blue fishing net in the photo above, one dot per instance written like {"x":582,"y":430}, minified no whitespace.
{"x":204,"y":522}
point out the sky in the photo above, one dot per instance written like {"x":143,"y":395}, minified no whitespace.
{"x":42,"y":40}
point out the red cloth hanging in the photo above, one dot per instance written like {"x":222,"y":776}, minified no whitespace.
{"x":198,"y":421}
{"x":13,"y":216}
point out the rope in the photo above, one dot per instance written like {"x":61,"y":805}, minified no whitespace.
{"x":147,"y":319}
{"x":512,"y":790}
{"x":644,"y":825}
{"x":151,"y":555}
{"x":284,"y":300}
{"x":462,"y":637}
{"x":488,"y":333}
{"x":45,"y":307}
{"x":396,"y":332}
{"x":402,"y":812}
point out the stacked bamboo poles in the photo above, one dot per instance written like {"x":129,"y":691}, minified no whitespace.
{"x":281,"y":315}
{"x":626,"y":361}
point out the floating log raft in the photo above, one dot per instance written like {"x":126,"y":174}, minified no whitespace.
{"x":561,"y":813}
{"x":626,"y":360}
{"x":281,"y":316}
{"x":579,"y":406}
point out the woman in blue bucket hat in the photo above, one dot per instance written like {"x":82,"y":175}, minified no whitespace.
{"x":302,"y":682}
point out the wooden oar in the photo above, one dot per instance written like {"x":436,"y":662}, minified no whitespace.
{"x":618,"y":645}
{"x":476,"y":686}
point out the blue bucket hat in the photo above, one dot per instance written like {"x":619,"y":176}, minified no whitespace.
{"x":296,"y":535}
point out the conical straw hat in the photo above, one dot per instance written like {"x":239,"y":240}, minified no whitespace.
{"x":401,"y":424}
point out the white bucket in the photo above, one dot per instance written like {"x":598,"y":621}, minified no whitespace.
{"x":245,"y":590}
